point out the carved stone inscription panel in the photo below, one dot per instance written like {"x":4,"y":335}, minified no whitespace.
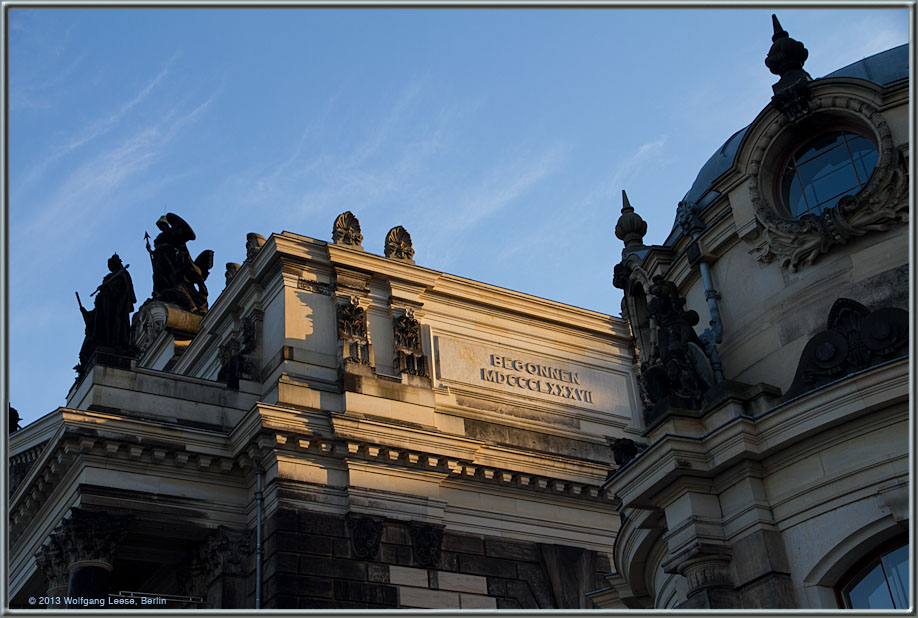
{"x":516,"y":373}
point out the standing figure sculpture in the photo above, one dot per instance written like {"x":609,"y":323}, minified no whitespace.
{"x":678,"y":369}
{"x":108,"y":323}
{"x":178,"y":279}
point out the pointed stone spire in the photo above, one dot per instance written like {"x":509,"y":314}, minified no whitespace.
{"x":630,"y":227}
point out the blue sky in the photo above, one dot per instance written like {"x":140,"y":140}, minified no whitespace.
{"x":500,"y":139}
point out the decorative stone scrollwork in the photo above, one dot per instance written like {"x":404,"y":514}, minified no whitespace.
{"x":315,"y":287}
{"x":426,"y":543}
{"x":398,"y":244}
{"x":346,"y":230}
{"x":880,"y":204}
{"x":353,"y":334}
{"x":253,"y":243}
{"x":678,"y":374}
{"x":231,"y":269}
{"x":235,"y":362}
{"x":366,"y":534}
{"x":625,"y":449}
{"x":856,"y":338}
{"x":687,"y":218}
{"x":409,"y":355}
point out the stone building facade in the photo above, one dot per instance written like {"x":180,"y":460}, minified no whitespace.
{"x":773,"y":470}
{"x":405,"y":437}
{"x":339,"y":429}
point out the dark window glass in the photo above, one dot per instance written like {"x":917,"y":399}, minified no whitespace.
{"x":826,"y":169}
{"x":883,"y":584}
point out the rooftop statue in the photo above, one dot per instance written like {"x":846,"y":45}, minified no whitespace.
{"x":108,"y":323}
{"x":177,"y":279}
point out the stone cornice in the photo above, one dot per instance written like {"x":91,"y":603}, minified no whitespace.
{"x":363,"y":441}
{"x":89,"y":434}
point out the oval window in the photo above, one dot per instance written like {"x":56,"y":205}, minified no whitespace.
{"x":833,"y":165}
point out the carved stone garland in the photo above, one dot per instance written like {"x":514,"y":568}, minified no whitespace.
{"x":346,"y":230}
{"x":353,"y":333}
{"x":409,"y":355}
{"x":398,"y":244}
{"x":881,"y":203}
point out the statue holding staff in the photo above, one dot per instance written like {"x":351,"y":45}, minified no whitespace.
{"x":108,"y":323}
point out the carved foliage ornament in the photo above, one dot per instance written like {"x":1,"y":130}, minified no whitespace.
{"x":352,"y":320}
{"x":353,"y":334}
{"x":346,"y":230}
{"x":398,"y":244}
{"x":409,"y":356}
{"x":86,"y":535}
{"x":881,"y":203}
{"x":855,"y":338}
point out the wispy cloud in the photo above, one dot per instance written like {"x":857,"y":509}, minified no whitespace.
{"x":29,"y":92}
{"x":504,"y":185}
{"x":386,"y":160}
{"x":83,"y":197}
{"x":626,"y":169}
{"x":101,"y":126}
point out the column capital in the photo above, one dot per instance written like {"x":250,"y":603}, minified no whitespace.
{"x":90,"y":536}
{"x":222,"y":552}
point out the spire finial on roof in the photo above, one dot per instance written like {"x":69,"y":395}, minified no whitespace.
{"x":626,"y":205}
{"x":785,"y":59}
{"x":779,"y":31}
{"x":630,"y":227}
{"x":786,"y":55}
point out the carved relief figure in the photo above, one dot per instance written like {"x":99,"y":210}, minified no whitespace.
{"x":178,"y":279}
{"x":108,"y":324}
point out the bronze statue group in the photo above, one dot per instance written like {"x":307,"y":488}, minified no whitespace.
{"x":177,"y":279}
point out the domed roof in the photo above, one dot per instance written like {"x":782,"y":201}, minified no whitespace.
{"x":883,"y":68}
